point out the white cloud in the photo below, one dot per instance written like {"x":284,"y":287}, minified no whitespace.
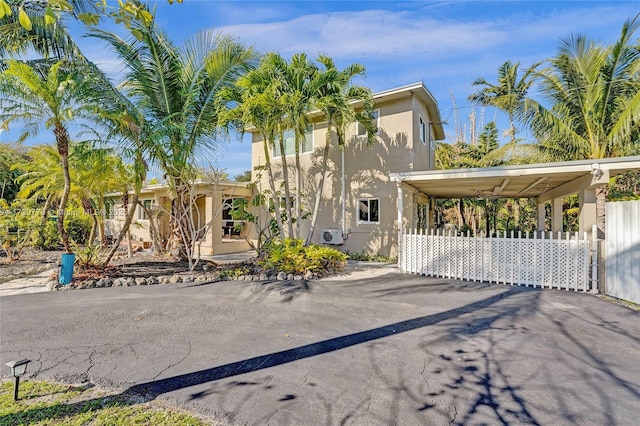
{"x":368,"y":33}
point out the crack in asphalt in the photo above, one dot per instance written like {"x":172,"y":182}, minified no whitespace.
{"x":175,"y":363}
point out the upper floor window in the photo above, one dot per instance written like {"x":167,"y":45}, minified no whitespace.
{"x":423,"y":131}
{"x":361,"y":130}
{"x":369,"y":210}
{"x":306,"y":145}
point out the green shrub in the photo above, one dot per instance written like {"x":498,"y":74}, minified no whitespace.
{"x":78,"y":226}
{"x":292,"y":257}
{"x":88,"y":256}
{"x":47,"y":237}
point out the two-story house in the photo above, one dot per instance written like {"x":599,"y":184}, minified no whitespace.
{"x":359,"y":204}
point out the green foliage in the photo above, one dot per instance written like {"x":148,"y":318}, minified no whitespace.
{"x":43,"y":403}
{"x":47,"y":237}
{"x":9,"y":157}
{"x":87,"y":256}
{"x":234,"y":273}
{"x":376,"y":257}
{"x":16,"y":227}
{"x":293,"y":257}
{"x":78,"y":225}
{"x":243,"y":177}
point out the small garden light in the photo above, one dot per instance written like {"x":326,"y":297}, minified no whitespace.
{"x":18,"y":368}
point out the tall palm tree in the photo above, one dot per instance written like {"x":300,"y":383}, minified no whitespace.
{"x":507,"y":94}
{"x":594,"y":93}
{"x":256,"y":102}
{"x":41,"y":178}
{"x":342,"y":104}
{"x":49,"y":93}
{"x":299,"y":78}
{"x":177,"y":91}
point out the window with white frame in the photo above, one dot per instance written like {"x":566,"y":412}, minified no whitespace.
{"x":306,"y":145}
{"x":361,"y":130}
{"x":369,"y":210}
{"x":423,"y":131}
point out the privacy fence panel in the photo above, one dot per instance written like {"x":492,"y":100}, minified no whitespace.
{"x":560,"y":260}
{"x":622,"y":250}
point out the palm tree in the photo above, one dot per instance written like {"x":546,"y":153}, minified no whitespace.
{"x":594,"y":93}
{"x":41,"y":178}
{"x":337,"y":98}
{"x":507,"y":94}
{"x":177,"y":91}
{"x":298,"y":91}
{"x":256,"y":103}
{"x":49,"y":93}
{"x":43,"y":31}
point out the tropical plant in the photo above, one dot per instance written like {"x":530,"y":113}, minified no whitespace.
{"x":594,"y":93}
{"x":507,"y":94}
{"x":177,"y":91}
{"x":35,"y":25}
{"x":336,"y":97}
{"x":48,"y":93}
{"x":9,"y":157}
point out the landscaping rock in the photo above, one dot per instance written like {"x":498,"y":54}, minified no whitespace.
{"x":263,"y":277}
{"x":297,"y":277}
{"x":152,"y":281}
{"x":308,"y":275}
{"x":175,"y":279}
{"x":281,"y":276}
{"x":141,"y":281}
{"x":290,"y":277}
{"x":52,"y":285}
{"x":130,"y":282}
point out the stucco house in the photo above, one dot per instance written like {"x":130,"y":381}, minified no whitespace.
{"x":217,"y":232}
{"x":358,"y":211}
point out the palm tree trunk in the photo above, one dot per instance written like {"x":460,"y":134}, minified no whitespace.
{"x":316,"y":207}
{"x":272,"y":185}
{"x":62,"y":142}
{"x":124,"y":231}
{"x":43,"y":217}
{"x":298,"y":189}
{"x":287,"y":193}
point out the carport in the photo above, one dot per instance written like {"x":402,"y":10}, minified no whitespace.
{"x":546,"y":182}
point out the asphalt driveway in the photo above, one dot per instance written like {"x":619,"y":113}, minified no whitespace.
{"x":375,"y":350}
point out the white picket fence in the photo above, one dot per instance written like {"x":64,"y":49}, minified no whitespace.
{"x":543,"y":261}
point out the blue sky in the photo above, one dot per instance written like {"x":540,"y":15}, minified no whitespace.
{"x":445,"y":44}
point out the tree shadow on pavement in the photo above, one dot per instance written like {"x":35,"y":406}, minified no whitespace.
{"x":170,"y":384}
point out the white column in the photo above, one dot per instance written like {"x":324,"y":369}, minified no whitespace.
{"x":556,"y":214}
{"x":587,"y":199}
{"x":400,"y":204}
{"x":541,"y":216}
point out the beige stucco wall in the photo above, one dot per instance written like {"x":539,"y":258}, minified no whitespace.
{"x":367,"y":171}
{"x":208,"y":201}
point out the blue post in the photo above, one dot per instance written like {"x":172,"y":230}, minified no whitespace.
{"x":66,"y":268}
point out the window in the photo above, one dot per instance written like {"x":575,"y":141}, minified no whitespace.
{"x":423,"y":131}
{"x":142,"y":213}
{"x":361,"y":131}
{"x":306,"y":145}
{"x":369,"y":210}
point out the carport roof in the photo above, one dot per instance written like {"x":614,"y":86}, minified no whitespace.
{"x":544,"y":180}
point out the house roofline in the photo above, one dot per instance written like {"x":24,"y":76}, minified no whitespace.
{"x":417,"y":88}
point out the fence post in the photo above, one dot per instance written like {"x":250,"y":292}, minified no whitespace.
{"x":594,"y":259}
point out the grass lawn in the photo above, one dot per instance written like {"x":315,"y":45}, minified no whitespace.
{"x":44,"y":403}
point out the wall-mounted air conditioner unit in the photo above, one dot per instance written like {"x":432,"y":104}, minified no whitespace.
{"x":332,"y":236}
